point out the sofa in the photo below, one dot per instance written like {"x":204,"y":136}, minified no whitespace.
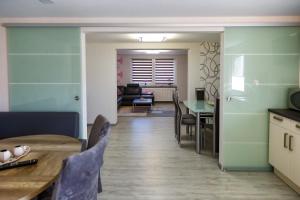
{"x":13,"y":124}
{"x":126,"y":94}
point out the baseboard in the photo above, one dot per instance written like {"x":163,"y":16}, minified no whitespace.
{"x":287,"y":181}
{"x":247,"y":169}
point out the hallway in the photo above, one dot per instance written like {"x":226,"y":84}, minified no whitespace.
{"x":143,"y":161}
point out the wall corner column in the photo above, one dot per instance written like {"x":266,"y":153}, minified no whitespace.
{"x":4,"y":101}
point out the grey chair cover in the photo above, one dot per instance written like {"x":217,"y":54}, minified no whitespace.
{"x":78,"y":179}
{"x":99,"y":129}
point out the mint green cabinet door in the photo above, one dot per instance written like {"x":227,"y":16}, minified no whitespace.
{"x":44,"y":69}
{"x":260,"y":64}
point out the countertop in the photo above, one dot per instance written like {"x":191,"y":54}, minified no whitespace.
{"x":288,"y":113}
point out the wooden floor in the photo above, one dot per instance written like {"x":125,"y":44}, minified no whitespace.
{"x":143,"y":161}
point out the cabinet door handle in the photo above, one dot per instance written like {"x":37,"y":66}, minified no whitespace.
{"x":290,"y":142}
{"x":284,"y":140}
{"x":278,"y":118}
{"x":297,"y":126}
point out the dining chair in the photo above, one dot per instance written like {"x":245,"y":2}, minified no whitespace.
{"x":99,"y":129}
{"x":77,"y":179}
{"x":175,"y":98}
{"x":200,"y":93}
{"x":214,"y":128}
{"x":183,"y":119}
{"x":176,"y":112}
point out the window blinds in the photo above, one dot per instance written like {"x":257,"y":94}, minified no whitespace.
{"x":164,"y":71}
{"x":155,"y":71}
{"x":141,"y":71}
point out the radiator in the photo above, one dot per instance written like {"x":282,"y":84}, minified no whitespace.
{"x":161,"y":94}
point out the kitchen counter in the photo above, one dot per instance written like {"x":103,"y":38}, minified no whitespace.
{"x":288,"y":113}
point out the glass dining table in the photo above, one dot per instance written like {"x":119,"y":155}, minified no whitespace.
{"x":200,"y":108}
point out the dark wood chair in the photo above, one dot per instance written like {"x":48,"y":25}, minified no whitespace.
{"x":213,"y":128}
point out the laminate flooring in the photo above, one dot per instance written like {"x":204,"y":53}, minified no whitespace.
{"x":143,"y":161}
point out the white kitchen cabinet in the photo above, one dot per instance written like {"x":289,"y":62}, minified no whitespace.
{"x":284,"y":148}
{"x":278,"y":154}
{"x":295,"y":159}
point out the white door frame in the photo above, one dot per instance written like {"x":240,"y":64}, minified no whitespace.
{"x":4,"y":102}
{"x":85,"y":30}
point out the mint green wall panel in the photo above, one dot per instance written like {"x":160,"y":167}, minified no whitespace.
{"x":43,"y":40}
{"x":43,"y":97}
{"x":266,"y":64}
{"x":246,"y":156}
{"x":44,"y":69}
{"x":260,"y":64}
{"x":262,"y":40}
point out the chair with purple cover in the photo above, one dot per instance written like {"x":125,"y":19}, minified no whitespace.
{"x":99,"y":129}
{"x":77,"y":179}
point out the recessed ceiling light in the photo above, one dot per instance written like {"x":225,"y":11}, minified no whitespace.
{"x":46,"y":1}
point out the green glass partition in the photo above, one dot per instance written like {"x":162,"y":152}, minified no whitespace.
{"x":260,"y":64}
{"x":44,"y":69}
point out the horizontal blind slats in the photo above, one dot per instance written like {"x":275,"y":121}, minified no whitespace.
{"x":164,"y":71}
{"x":141,"y":70}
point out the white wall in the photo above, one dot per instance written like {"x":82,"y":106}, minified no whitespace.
{"x":124,"y":66}
{"x":102,"y":74}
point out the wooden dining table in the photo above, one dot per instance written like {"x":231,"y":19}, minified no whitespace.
{"x":25,"y":183}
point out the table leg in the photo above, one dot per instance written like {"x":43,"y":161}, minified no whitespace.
{"x":198,"y":135}
{"x":187,"y":130}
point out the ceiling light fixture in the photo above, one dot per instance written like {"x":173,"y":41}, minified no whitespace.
{"x":46,"y":1}
{"x":151,"y":37}
{"x":152,"y":51}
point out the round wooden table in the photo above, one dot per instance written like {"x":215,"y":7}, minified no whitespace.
{"x":29,"y":181}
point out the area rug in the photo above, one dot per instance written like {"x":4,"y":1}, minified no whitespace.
{"x":156,"y":111}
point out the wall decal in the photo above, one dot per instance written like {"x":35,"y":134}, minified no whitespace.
{"x":210,"y":69}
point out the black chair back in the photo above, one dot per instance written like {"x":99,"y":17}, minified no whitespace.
{"x":216,"y":123}
{"x":200,"y":93}
{"x":176,"y":111}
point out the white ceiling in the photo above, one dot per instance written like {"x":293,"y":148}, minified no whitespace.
{"x":149,"y":8}
{"x":176,"y":37}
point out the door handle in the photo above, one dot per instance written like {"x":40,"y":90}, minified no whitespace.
{"x":284,"y":140}
{"x":297,"y":126}
{"x":76,"y":98}
{"x":237,"y":98}
{"x":290,"y":142}
{"x":278,"y":118}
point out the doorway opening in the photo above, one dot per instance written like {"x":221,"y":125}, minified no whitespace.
{"x":112,"y":59}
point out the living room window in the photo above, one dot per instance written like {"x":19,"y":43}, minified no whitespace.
{"x":141,"y":71}
{"x":159,"y":71}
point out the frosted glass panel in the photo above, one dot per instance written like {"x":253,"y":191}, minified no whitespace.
{"x":260,"y":64}
{"x":44,"y":69}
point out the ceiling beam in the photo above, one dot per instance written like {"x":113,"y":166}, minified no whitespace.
{"x":156,"y":21}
